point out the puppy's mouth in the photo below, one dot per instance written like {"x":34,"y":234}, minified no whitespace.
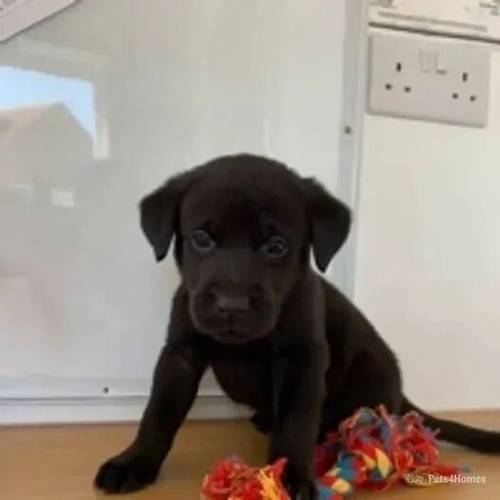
{"x":235,"y":327}
{"x":235,"y":337}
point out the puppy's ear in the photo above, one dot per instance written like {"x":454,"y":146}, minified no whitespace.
{"x":159,"y":213}
{"x":330,"y":222}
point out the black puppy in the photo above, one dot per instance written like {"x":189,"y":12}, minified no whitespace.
{"x":278,"y":337}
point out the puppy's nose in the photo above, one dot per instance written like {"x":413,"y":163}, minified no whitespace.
{"x":228,"y":304}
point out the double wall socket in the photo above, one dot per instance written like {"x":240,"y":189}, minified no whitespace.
{"x":443,"y":81}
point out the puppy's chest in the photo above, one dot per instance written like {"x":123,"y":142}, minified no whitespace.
{"x":245,"y":376}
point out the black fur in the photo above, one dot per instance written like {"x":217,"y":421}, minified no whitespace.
{"x":278,"y":336}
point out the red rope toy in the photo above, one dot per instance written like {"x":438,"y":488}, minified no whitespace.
{"x":371,"y":450}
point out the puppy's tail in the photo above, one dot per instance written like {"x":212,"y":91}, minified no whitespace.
{"x":477,"y":439}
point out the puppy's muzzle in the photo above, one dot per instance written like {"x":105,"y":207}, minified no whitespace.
{"x":233,"y":313}
{"x":226,"y":304}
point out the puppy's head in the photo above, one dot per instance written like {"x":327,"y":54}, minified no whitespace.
{"x":243,"y":228}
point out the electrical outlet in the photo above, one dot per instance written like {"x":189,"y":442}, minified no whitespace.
{"x":443,"y":81}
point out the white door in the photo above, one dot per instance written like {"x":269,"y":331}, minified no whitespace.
{"x":100,"y":104}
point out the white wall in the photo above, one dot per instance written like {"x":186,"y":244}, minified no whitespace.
{"x":428,"y":252}
{"x":82,"y":303}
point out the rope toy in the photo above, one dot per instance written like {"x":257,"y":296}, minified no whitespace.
{"x":370,"y":450}
{"x":232,"y":479}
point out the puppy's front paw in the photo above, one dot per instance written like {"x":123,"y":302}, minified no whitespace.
{"x":126,"y":473}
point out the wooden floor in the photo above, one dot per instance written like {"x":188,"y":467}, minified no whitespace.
{"x":58,"y":463}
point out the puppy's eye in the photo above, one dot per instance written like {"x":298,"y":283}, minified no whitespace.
{"x":275,"y":248}
{"x":202,"y":242}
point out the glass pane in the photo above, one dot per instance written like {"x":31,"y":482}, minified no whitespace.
{"x":100,"y":104}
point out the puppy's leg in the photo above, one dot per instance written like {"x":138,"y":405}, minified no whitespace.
{"x":176,"y":379}
{"x":301,"y":394}
{"x":262,"y":422}
{"x":368,"y":381}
